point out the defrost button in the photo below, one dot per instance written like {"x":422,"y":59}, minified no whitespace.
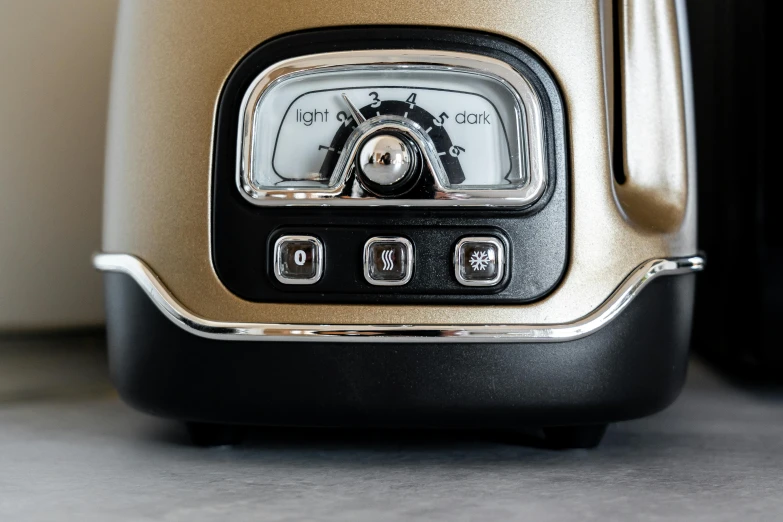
{"x":479,"y":261}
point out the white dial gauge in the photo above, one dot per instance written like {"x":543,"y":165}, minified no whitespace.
{"x":473,"y":124}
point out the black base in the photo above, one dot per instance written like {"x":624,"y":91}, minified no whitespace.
{"x":568,"y":437}
{"x":554,"y":437}
{"x":205,"y":434}
{"x":633,"y":367}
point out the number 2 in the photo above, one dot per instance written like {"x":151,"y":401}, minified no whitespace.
{"x":343,"y":117}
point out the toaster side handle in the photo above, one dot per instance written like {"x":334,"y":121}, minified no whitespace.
{"x":648,"y":119}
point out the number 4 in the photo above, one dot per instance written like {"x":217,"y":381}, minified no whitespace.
{"x":411,"y":100}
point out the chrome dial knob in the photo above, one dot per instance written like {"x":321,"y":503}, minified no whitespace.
{"x":385,"y":160}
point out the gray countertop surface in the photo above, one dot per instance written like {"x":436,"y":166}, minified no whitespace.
{"x":71,"y":450}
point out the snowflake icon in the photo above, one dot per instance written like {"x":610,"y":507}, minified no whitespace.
{"x":479,"y":260}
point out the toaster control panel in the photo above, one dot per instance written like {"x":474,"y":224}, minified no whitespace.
{"x":385,"y":260}
{"x":391,"y":165}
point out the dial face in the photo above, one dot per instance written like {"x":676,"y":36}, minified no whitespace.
{"x":474,"y":122}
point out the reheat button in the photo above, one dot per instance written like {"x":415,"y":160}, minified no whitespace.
{"x":388,"y":261}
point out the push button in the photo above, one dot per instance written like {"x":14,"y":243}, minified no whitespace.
{"x":298,"y":260}
{"x":479,"y":261}
{"x":388,"y":261}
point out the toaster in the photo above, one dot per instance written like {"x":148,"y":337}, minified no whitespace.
{"x":436,"y":215}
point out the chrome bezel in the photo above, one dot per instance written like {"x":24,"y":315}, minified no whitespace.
{"x":388,"y":239}
{"x":318,"y":260}
{"x":458,"y":258}
{"x":528,"y":102}
{"x":198,"y":325}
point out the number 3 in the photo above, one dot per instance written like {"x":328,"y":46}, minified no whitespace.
{"x":376,"y":102}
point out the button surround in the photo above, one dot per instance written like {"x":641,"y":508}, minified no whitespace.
{"x":367,"y":260}
{"x":317,"y":260}
{"x":459,"y":258}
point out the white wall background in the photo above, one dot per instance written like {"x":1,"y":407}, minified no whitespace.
{"x":55,"y":58}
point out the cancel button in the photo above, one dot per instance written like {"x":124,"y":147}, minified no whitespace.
{"x":298,"y":260}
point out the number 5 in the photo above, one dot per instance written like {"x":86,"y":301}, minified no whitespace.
{"x":440,"y":120}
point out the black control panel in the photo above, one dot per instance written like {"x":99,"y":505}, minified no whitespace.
{"x":367,"y":254}
{"x":403,"y":261}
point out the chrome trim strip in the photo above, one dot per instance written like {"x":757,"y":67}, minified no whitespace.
{"x":398,"y":333}
{"x":531,"y":118}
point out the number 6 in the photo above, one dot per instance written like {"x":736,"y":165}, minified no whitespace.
{"x":455,"y":150}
